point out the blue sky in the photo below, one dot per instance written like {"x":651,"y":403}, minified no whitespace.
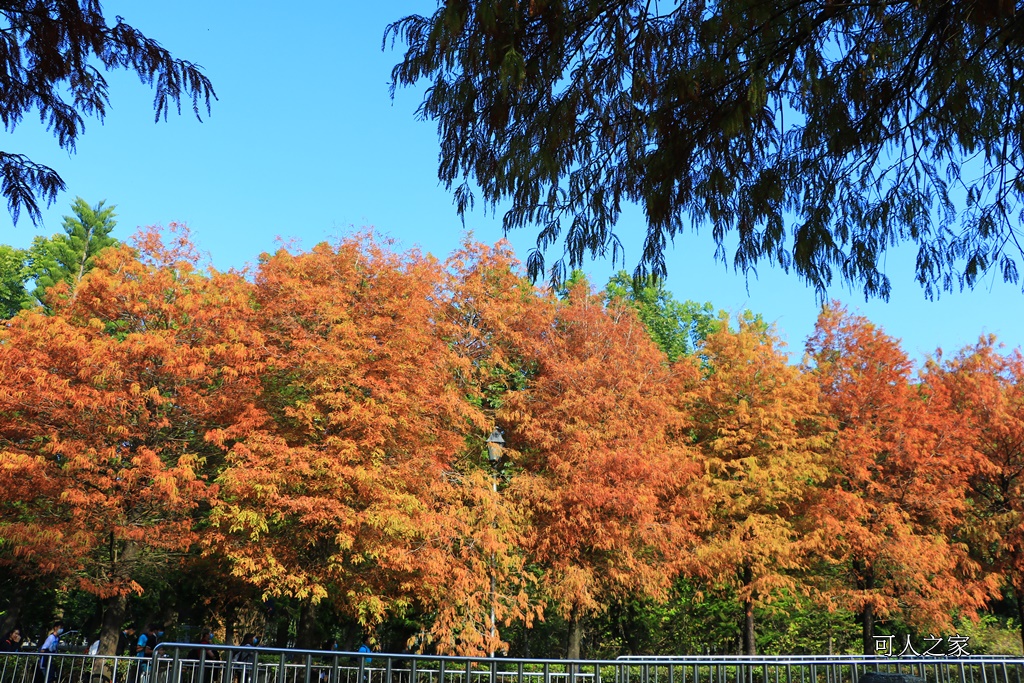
{"x":306,"y":144}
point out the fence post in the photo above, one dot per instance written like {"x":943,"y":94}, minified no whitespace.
{"x":176,"y":667}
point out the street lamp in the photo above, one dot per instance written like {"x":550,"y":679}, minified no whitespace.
{"x":495,"y":446}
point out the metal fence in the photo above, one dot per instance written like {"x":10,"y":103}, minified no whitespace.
{"x":172,"y":663}
{"x":30,"y":667}
{"x":822,"y":669}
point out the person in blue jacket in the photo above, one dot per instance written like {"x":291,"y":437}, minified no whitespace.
{"x":47,"y":665}
{"x":144,"y":648}
{"x":365,"y":648}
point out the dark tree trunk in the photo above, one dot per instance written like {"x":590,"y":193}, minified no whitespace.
{"x":284,"y":625}
{"x":865,"y":578}
{"x":13,"y":612}
{"x":575,"y":635}
{"x":749,"y":637}
{"x":867,"y":623}
{"x":229,"y":625}
{"x":307,"y":633}
{"x":630,"y":629}
{"x":113,"y":619}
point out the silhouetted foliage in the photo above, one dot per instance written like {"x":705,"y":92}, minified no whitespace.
{"x":53,"y":56}
{"x":816,"y":135}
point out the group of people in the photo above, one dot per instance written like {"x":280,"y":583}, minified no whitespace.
{"x":12,"y":642}
{"x":128,"y":645}
{"x":141,"y":646}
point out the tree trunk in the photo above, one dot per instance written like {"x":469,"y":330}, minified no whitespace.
{"x":629,"y":629}
{"x":865,"y":577}
{"x":113,"y":619}
{"x":748,"y":635}
{"x":307,"y":633}
{"x":284,"y":626}
{"x":575,"y":634}
{"x":749,"y":639}
{"x":867,"y":622}
{"x":13,"y":612}
{"x":229,"y":625}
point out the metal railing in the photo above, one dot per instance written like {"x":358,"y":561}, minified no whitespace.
{"x":172,"y":663}
{"x":33,"y":667}
{"x":822,"y":669}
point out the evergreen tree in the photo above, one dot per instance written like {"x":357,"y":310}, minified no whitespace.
{"x":12,"y":281}
{"x":54,"y":55}
{"x":66,"y":258}
{"x":677,"y":327}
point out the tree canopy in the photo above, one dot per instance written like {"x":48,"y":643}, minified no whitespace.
{"x":898,"y":484}
{"x":813,"y":136}
{"x":53,"y":56}
{"x":69,"y":256}
{"x":307,"y":442}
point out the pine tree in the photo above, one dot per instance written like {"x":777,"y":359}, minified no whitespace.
{"x":66,"y":258}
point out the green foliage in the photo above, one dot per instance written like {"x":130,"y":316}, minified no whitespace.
{"x":815,"y":137}
{"x":676,"y":327}
{"x":695,"y":621}
{"x":68,"y":257}
{"x":577,"y":278}
{"x":793,"y":624}
{"x":991,"y":635}
{"x":13,"y":294}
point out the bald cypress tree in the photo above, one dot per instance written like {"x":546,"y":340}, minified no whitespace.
{"x":811,"y":135}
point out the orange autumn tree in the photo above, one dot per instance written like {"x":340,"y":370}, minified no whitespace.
{"x":489,"y":310}
{"x":104,"y":408}
{"x":986,"y":390}
{"x":896,"y":487}
{"x":603,"y":476}
{"x":762,"y":435}
{"x":351,"y":489}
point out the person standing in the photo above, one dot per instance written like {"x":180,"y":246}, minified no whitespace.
{"x":366,"y":647}
{"x":364,"y":664}
{"x":144,"y":648}
{"x":126,"y":641}
{"x":12,"y":643}
{"x":204,"y":650}
{"x":245,"y":662}
{"x":47,"y":665}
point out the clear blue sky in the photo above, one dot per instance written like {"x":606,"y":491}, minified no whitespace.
{"x":305,"y":143}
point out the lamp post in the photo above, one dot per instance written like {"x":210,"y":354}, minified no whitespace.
{"x":495,"y":446}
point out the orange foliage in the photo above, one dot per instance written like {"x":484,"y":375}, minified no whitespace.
{"x":897,"y":483}
{"x":355,"y":486}
{"x":603,"y":474}
{"x":103,"y":411}
{"x":321,"y":430}
{"x":762,"y":434}
{"x":986,"y":390}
